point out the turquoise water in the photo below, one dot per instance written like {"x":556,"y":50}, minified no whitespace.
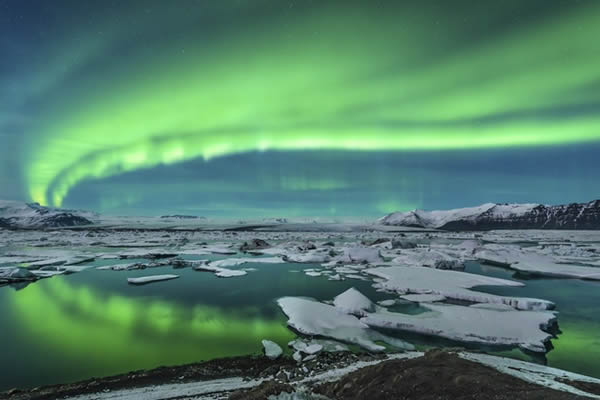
{"x":577,"y":347}
{"x":93,"y":323}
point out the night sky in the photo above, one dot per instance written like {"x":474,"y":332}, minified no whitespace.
{"x":277,"y":107}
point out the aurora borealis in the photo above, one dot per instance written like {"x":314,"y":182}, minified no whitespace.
{"x":288,"y":107}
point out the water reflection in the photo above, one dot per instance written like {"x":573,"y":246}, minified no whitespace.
{"x":108,"y":332}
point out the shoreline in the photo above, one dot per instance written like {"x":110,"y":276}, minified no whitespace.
{"x":436,"y":374}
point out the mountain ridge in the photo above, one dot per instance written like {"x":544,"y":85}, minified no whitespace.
{"x":19,"y":215}
{"x":584,"y":216}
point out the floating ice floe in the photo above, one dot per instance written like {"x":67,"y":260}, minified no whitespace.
{"x":336,"y":277}
{"x":427,"y":257}
{"x":528,"y":261}
{"x":271,"y":349}
{"x":312,"y":272}
{"x":217,"y":248}
{"x":144,"y":253}
{"x":357,"y":254}
{"x":123,"y":267}
{"x":309,"y":348}
{"x":220,"y":272}
{"x":356,"y":276}
{"x":149,"y":279}
{"x":232,"y":262}
{"x":452,"y":285}
{"x":425,"y":298}
{"x":314,"y":346}
{"x":310,"y":317}
{"x":481,"y":325}
{"x":48,"y":272}
{"x":14,"y":274}
{"x":313,"y":257}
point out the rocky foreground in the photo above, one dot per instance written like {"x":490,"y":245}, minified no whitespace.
{"x":434,"y":375}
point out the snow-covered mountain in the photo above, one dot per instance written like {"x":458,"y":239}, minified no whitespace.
{"x":502,"y":216}
{"x":15,"y":214}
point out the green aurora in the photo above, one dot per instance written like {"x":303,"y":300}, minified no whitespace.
{"x":159,"y":83}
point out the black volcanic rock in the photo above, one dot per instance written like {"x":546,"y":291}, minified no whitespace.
{"x":64,"y":219}
{"x":584,"y":216}
{"x":254,"y":244}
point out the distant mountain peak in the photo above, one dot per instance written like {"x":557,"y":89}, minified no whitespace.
{"x":502,"y":216}
{"x":15,"y":214}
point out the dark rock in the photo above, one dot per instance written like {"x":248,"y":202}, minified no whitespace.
{"x":403,"y":244}
{"x":377,"y":241}
{"x":254,"y":244}
{"x":437,"y":375}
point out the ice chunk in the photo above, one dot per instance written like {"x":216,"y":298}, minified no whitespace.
{"x":312,"y":273}
{"x":271,"y":349}
{"x":230,"y":273}
{"x":452,"y":285}
{"x":232,"y":262}
{"x":12,"y":274}
{"x":424,"y":298}
{"x":310,"y":317}
{"x":220,"y":272}
{"x":367,"y":255}
{"x":307,"y":348}
{"x":528,"y":261}
{"x":312,"y":346}
{"x":427,"y":257}
{"x":313,"y":257}
{"x":151,"y":278}
{"x":353,"y":302}
{"x":472,"y":325}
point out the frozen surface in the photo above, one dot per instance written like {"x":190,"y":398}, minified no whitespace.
{"x":220,"y":272}
{"x":452,"y":285}
{"x":353,"y":302}
{"x":271,"y":349}
{"x":232,"y":262}
{"x":11,"y":274}
{"x":309,"y":317}
{"x":427,"y":257}
{"x":151,"y":278}
{"x":472,"y":325}
{"x":536,"y":262}
{"x":424,"y":298}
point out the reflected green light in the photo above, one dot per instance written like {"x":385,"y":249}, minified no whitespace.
{"x":326,"y":79}
{"x":80,"y":322}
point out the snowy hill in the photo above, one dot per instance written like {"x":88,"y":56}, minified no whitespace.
{"x":502,"y":216}
{"x":15,"y":214}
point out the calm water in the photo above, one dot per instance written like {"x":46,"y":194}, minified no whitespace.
{"x":94,"y":324}
{"x":577,"y":348}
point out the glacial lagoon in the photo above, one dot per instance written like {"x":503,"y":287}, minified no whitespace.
{"x":93,"y":323}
